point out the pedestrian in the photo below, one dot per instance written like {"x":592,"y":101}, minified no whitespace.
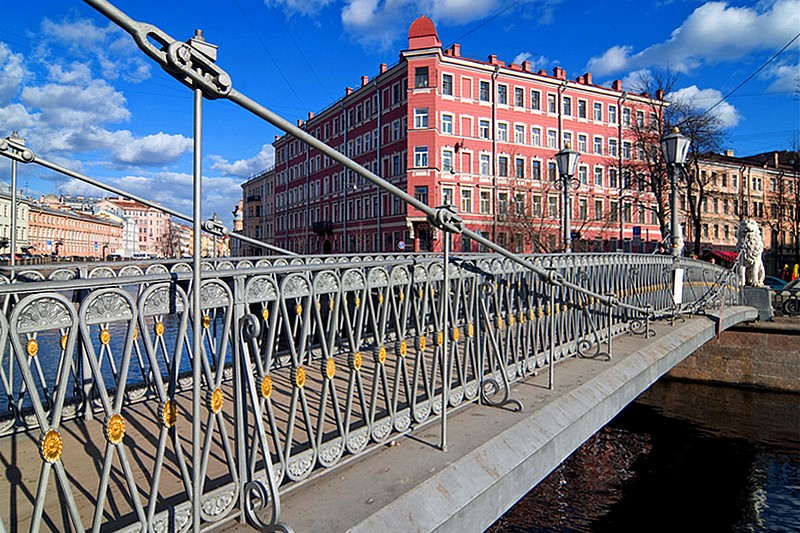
{"x":796,"y":272}
{"x":785,"y":276}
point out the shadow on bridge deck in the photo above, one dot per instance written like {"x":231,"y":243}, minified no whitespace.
{"x":495,"y":456}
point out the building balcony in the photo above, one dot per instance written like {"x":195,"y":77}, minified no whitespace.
{"x":324,"y":227}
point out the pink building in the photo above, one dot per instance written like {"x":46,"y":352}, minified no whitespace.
{"x":152,"y":225}
{"x":478,"y":135}
{"x":54,"y":229}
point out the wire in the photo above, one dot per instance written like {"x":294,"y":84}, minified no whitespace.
{"x":484,"y":23}
{"x":751,"y":76}
{"x":266,"y":51}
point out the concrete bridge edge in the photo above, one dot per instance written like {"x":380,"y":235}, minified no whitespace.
{"x":472,"y":492}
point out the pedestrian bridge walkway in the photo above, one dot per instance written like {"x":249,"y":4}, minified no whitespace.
{"x":324,"y":378}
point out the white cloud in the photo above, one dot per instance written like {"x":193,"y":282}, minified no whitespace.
{"x":537,"y":62}
{"x":77,"y":106}
{"x":703,"y":99}
{"x":12,"y":72}
{"x":714,"y":32}
{"x":246,"y":168}
{"x":786,"y":78}
{"x":303,"y":7}
{"x":157,"y":149}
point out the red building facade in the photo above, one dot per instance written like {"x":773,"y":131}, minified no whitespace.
{"x":478,"y":135}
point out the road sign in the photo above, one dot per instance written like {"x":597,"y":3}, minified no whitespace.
{"x":401,"y":245}
{"x":637,"y":231}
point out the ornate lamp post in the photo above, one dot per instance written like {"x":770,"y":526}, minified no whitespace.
{"x":567,"y":161}
{"x":675,"y":147}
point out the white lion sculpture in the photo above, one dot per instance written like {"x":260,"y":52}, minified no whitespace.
{"x":751,"y":246}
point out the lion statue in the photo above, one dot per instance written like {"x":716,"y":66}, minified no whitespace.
{"x":750,"y":247}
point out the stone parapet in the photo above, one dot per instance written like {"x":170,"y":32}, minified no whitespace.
{"x":760,"y":355}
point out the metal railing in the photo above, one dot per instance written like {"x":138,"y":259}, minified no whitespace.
{"x":282,"y":367}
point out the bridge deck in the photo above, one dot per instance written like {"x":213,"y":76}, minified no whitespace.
{"x":494,"y":455}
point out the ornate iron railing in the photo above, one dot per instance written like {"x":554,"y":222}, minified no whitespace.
{"x":305,"y":361}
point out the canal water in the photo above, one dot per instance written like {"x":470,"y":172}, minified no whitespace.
{"x":682,"y":457}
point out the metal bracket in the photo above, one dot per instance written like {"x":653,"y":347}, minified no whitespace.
{"x":16,"y":150}
{"x":191,"y":63}
{"x":215,"y":227}
{"x":446,"y":219}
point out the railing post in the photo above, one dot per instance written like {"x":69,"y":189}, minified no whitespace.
{"x":445,"y":311}
{"x":197,"y":203}
{"x":552,"y":319}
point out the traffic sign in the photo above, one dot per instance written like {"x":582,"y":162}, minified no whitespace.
{"x":401,"y":245}
{"x":637,"y":231}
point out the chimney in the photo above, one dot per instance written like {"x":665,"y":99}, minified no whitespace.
{"x":277,"y":137}
{"x":542,"y":72}
{"x":364,"y":80}
{"x":493,"y":59}
{"x":580,"y":80}
{"x":299,"y":122}
{"x":348,"y":91}
{"x":660,"y":94}
{"x":526,"y":66}
{"x":310,"y":115}
{"x":588,"y":78}
{"x":559,"y":73}
{"x":383,"y":68}
{"x":777,"y":159}
{"x":456,"y":50}
{"x":617,"y":85}
{"x":729,"y":153}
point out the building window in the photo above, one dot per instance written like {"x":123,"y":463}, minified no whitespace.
{"x":551,"y":103}
{"x":536,"y":205}
{"x":502,"y":132}
{"x":519,"y":168}
{"x":552,"y":139}
{"x":568,"y":139}
{"x":447,"y":84}
{"x":519,"y":97}
{"x":421,"y":118}
{"x":552,"y":171}
{"x":640,"y":118}
{"x":536,"y":100}
{"x":598,"y":209}
{"x":583,"y":209}
{"x":536,"y":169}
{"x":502,"y":203}
{"x":583,"y":175}
{"x":447,"y":160}
{"x":485,"y":164}
{"x":466,"y":200}
{"x":420,"y":156}
{"x":552,"y":206}
{"x":612,"y":114}
{"x":484,"y":91}
{"x":597,"y":111}
{"x":582,"y":143}
{"x":626,"y":117}
{"x":447,"y":196}
{"x":519,"y":134}
{"x":612,"y":148}
{"x":421,"y":193}
{"x":612,"y":178}
{"x":502,"y":94}
{"x":421,"y":77}
{"x":582,"y":108}
{"x":447,"y":124}
{"x":502,"y":166}
{"x":483,"y":129}
{"x":486,"y":202}
{"x":598,"y":176}
{"x":566,"y":106}
{"x":536,"y":136}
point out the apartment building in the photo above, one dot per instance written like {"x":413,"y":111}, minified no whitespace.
{"x":477,"y":135}
{"x":152,"y":226}
{"x":763,"y":187}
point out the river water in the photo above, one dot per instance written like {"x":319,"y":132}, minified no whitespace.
{"x":682,"y":457}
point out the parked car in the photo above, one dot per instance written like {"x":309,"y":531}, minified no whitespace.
{"x":774,"y":283}
{"x":787,"y":298}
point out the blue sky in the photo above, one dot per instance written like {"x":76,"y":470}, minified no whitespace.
{"x":81,"y":93}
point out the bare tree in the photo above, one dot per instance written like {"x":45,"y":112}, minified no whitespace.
{"x":705,"y":133}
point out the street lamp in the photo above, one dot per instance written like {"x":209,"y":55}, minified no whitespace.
{"x":675,"y":147}
{"x":567,"y":161}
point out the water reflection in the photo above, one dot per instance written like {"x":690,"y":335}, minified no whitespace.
{"x":681,"y":457}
